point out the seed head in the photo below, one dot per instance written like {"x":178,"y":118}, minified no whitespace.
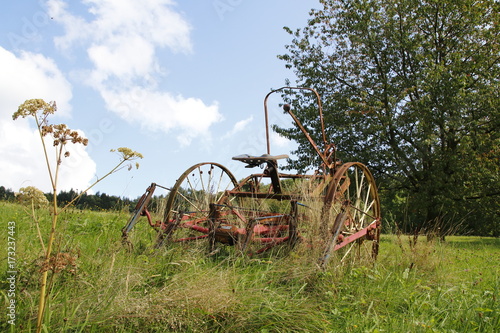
{"x":62,"y":135}
{"x":32,"y":106}
{"x":127,"y":153}
{"x":31,"y":195}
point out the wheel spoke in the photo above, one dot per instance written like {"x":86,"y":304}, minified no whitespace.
{"x":357,"y":198}
{"x":191,"y":187}
{"x":222,"y":193}
{"x":201,"y":180}
{"x":194,"y":191}
{"x":347,"y":252}
{"x":217,"y":192}
{"x":193,"y":203}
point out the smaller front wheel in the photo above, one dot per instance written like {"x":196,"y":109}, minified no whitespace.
{"x":351,"y":214}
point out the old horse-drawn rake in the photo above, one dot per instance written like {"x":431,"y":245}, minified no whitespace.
{"x":336,"y":207}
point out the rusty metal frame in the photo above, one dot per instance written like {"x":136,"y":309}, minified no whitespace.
{"x":333,"y":173}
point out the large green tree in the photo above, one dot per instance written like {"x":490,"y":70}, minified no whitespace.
{"x":412,"y":89}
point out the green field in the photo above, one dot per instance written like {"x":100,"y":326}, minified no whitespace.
{"x":450,"y":286}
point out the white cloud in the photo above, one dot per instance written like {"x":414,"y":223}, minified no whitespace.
{"x":242,"y":124}
{"x":279,"y":141}
{"x":238,"y":127}
{"x":122,"y":39}
{"x":22,"y":163}
{"x":161,"y":111}
{"x":125,"y":59}
{"x":154,"y":20}
{"x":31,"y":76}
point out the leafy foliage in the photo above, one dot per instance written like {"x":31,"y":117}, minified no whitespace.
{"x":6,"y":193}
{"x":411,"y":89}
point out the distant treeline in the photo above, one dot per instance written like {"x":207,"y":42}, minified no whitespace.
{"x":97,"y":201}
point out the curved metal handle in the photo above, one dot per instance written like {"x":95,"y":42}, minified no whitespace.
{"x":299,"y":124}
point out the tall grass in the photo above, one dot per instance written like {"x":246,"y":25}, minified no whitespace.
{"x":450,"y":286}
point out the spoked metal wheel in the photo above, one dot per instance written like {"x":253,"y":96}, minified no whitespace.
{"x":351,"y":217}
{"x":187,"y":209}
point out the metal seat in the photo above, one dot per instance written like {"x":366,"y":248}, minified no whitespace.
{"x":254,"y":161}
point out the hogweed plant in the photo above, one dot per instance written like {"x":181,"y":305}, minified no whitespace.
{"x":61,"y":136}
{"x":34,"y":198}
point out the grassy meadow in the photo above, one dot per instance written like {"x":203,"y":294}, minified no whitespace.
{"x":99,"y":286}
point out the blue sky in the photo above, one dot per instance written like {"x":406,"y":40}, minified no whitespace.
{"x":181,"y":82}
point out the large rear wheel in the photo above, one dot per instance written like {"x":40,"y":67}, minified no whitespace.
{"x":351,"y":215}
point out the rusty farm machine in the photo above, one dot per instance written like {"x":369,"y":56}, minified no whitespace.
{"x":334,"y":208}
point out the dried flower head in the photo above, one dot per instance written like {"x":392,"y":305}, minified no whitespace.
{"x":59,"y":262}
{"x":32,"y":106}
{"x":62,"y":135}
{"x":128,"y":154}
{"x":30,"y":195}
